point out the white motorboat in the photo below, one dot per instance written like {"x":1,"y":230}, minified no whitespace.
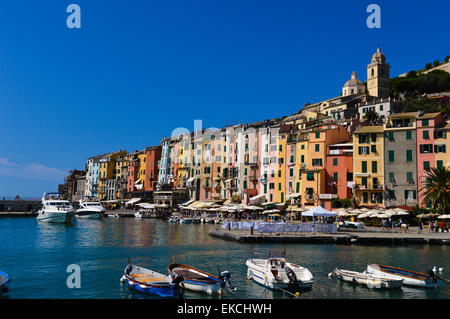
{"x":143,"y":214}
{"x":365,"y":279}
{"x":277,"y":273}
{"x":90,"y":208}
{"x":409,"y":277}
{"x":55,"y":209}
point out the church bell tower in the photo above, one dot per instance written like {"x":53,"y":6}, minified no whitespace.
{"x":378,"y":76}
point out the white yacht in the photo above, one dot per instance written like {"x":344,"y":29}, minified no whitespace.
{"x":276,"y":272}
{"x":90,"y":207}
{"x":55,"y":209}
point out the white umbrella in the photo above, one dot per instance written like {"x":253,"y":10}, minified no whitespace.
{"x":381,"y":215}
{"x":402,"y":213}
{"x":444,"y":217}
{"x":343,"y":214}
{"x":363,"y":215}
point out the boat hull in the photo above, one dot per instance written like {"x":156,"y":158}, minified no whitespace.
{"x":259,"y":275}
{"x":195,"y":279}
{"x":410,"y":278}
{"x":4,"y":282}
{"x":210,"y":289}
{"x":160,"y":290}
{"x":364,"y":279}
{"x":89,"y":214}
{"x":56,"y":217}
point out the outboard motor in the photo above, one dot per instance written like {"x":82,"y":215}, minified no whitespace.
{"x":177,"y":279}
{"x":129,"y":269}
{"x":432,"y":275}
{"x":293,"y":281}
{"x":224,"y":277}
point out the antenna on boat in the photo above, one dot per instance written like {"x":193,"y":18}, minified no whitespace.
{"x":129,"y":261}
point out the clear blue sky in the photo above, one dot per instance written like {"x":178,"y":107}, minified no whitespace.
{"x":136,"y":70}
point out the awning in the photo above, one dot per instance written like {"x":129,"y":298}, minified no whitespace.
{"x":138,"y":181}
{"x":319,"y":211}
{"x":258,"y":199}
{"x":294,"y":195}
{"x":188,"y":202}
{"x":132,"y":201}
{"x":227,"y":202}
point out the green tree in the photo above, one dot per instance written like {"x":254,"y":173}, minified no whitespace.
{"x":447,"y":58}
{"x":428,"y":66}
{"x":436,"y":63}
{"x":437,"y":189}
{"x":372,"y":117}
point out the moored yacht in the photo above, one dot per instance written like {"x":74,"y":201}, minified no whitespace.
{"x":91,"y":208}
{"x":55,"y":209}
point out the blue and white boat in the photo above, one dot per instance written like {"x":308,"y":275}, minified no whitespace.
{"x":198,"y":280}
{"x":4,"y":281}
{"x":150,"y":282}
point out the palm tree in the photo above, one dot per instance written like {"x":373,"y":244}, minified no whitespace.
{"x":437,"y":188}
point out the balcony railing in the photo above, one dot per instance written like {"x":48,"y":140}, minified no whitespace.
{"x":369,"y":186}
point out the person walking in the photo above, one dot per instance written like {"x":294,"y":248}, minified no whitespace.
{"x":420,"y":226}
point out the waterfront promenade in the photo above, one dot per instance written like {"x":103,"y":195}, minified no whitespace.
{"x":369,"y":236}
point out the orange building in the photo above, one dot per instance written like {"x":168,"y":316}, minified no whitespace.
{"x":338,"y":173}
{"x":151,"y":167}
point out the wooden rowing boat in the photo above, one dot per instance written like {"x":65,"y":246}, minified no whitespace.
{"x":4,"y":281}
{"x":195,"y":279}
{"x":369,"y":280}
{"x":410,"y":277}
{"x":150,"y":282}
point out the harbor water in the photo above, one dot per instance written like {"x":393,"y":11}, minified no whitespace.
{"x":36,"y":256}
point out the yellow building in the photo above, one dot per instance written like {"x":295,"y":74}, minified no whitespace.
{"x":280,"y":173}
{"x":442,"y":146}
{"x":107,"y":175}
{"x":368,"y":165}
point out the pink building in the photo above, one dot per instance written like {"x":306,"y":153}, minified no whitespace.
{"x":426,"y":125}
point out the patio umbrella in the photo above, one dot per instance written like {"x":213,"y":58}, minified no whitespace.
{"x":402,"y":213}
{"x":444,"y":217}
{"x":381,"y":215}
{"x":343,"y":214}
{"x":363,"y":215}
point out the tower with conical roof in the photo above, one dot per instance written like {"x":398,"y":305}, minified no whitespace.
{"x":378,"y":76}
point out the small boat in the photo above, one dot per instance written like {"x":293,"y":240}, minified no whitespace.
{"x":200,"y":281}
{"x":410,"y":278}
{"x":208,"y":221}
{"x":55,"y":209}
{"x":150,"y":282}
{"x":4,"y":281}
{"x":186,"y":221}
{"x":143,"y":214}
{"x":369,"y":280}
{"x":277,"y":273}
{"x":174,"y":220}
{"x":90,"y":208}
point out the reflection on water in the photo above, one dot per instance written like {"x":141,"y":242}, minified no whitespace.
{"x":36,"y":255}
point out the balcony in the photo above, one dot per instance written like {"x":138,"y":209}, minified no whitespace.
{"x":369,"y":186}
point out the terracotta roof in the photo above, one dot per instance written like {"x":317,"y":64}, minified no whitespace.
{"x":429,"y":115}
